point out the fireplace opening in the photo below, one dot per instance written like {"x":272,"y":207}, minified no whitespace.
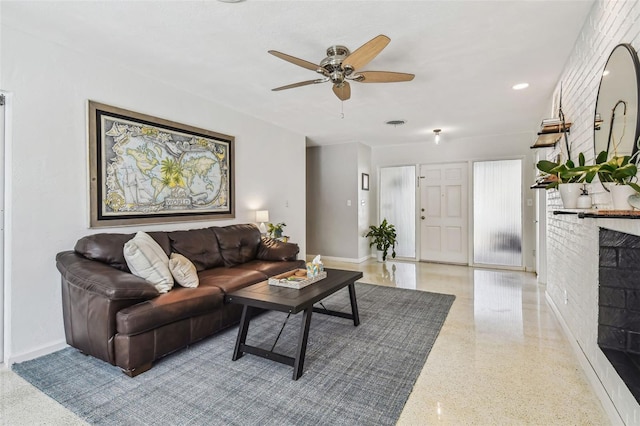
{"x":619,"y":305}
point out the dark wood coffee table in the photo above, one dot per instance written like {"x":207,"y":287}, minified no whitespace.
{"x":274,"y":298}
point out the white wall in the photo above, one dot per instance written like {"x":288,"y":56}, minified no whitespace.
{"x":572,"y":256}
{"x":494,"y":147}
{"x":364,"y":200}
{"x":335,"y":229}
{"x":332,"y":183}
{"x":47,"y":168}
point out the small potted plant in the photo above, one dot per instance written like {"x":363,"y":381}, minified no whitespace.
{"x":618,"y":175}
{"x":275,"y":231}
{"x":567,"y":178}
{"x":383,"y":237}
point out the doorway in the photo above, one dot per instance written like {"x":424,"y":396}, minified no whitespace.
{"x":444,"y":229}
{"x":2,"y":215}
{"x":497,"y":213}
{"x":398,"y":206}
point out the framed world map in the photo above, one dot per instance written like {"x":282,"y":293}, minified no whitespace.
{"x":145,"y":169}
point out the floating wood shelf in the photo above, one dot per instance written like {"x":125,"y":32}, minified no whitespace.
{"x":546,"y":140}
{"x":549,"y":135}
{"x":610,"y":214}
{"x":555,"y":128}
{"x":601,"y":214}
{"x":541,"y":185}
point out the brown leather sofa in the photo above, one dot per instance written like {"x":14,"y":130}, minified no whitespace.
{"x":120,"y":318}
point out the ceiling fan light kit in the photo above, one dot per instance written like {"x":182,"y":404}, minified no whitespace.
{"x":341,"y":65}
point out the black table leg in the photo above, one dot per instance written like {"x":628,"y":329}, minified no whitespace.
{"x":242,"y":332}
{"x":298,"y":365}
{"x":354,"y":304}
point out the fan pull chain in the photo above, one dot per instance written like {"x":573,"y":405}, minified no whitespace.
{"x":342,"y":109}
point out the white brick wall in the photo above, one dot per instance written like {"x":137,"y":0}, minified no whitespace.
{"x":572,"y":252}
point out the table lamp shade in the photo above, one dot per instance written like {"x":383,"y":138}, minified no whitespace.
{"x":262,"y":216}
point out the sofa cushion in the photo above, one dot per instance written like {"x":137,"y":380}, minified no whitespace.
{"x":108,"y":247}
{"x":178,"y":304}
{"x":271,"y":249}
{"x":183,"y":271}
{"x":229,"y":279}
{"x":271,"y":268}
{"x":199,"y":246}
{"x":146,"y":259}
{"x":238,"y":243}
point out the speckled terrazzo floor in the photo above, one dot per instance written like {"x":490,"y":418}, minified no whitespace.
{"x":501,"y":357}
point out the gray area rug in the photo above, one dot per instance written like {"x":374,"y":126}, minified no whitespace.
{"x":353,"y":375}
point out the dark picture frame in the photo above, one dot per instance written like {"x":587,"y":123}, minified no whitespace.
{"x":145,"y":169}
{"x":365,"y":181}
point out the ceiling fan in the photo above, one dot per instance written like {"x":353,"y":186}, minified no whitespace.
{"x":341,"y":65}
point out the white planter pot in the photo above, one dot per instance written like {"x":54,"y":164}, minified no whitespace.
{"x":569,"y":192}
{"x":602,"y":199}
{"x":620,"y":196}
{"x":379,"y":255}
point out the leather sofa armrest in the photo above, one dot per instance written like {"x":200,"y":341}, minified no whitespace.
{"x":102,"y":279}
{"x":276,"y":250}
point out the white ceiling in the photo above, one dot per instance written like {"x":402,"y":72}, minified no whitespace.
{"x":466,"y":55}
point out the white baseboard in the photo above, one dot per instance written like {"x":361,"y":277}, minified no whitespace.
{"x":340,"y":259}
{"x":593,"y":378}
{"x":45,"y":350}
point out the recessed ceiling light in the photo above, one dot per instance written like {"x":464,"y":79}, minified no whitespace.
{"x":395,"y":122}
{"x":520,"y":86}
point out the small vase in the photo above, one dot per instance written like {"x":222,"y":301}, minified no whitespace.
{"x":569,"y":192}
{"x":584,"y":201}
{"x":379,"y":254}
{"x":620,"y":196}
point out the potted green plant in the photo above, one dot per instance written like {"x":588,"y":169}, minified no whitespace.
{"x":567,"y":178}
{"x":383,"y":237}
{"x":618,"y":175}
{"x":275,"y":231}
{"x":618,"y":170}
{"x":557,"y":173}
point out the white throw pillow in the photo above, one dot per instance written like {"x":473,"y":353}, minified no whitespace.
{"x":146,"y":259}
{"x":183,"y":271}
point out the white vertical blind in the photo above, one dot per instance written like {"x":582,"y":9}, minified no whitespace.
{"x":398,"y":206}
{"x":497,"y":212}
{"x":2,"y":180}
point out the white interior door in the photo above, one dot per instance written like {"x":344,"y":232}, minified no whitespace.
{"x":444,"y":210}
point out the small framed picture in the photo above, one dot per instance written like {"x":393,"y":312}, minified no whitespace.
{"x":365,"y":182}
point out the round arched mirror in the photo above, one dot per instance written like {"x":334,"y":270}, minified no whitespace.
{"x":616,"y":123}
